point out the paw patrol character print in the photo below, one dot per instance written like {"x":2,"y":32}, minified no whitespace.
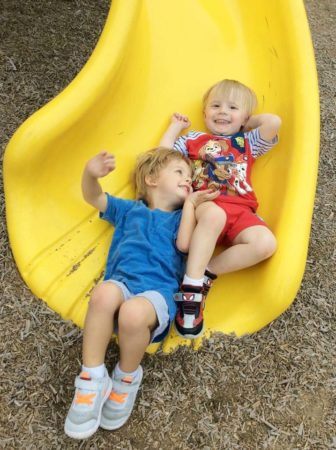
{"x":200,"y":176}
{"x":238,"y":142}
{"x":220,"y":174}
{"x":213,"y":149}
{"x":241,"y":170}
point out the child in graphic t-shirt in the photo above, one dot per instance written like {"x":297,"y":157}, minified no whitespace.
{"x":222,"y":161}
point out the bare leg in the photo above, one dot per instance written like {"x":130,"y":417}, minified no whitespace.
{"x":251,"y":246}
{"x":210,"y":222}
{"x":137,"y":318}
{"x":105,"y":300}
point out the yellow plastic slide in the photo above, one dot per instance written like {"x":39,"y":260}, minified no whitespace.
{"x":156,"y":57}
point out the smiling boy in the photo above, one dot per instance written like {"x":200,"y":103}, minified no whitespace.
{"x":223,"y":157}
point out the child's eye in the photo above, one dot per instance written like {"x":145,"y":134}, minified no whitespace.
{"x":179,"y":171}
{"x":233,"y":107}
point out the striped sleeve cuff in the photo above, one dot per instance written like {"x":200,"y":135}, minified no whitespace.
{"x":258,"y":145}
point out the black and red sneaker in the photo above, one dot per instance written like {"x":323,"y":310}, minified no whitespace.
{"x":189,"y":318}
{"x":209,"y":278}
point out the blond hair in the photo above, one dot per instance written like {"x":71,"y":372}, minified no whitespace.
{"x":149,"y":164}
{"x":232,"y":89}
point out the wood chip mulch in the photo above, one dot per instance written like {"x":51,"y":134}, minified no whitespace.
{"x":272,"y":390}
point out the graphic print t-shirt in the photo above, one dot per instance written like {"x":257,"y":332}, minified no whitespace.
{"x":225,"y":163}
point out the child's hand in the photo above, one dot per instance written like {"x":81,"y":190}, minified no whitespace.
{"x":198,"y":197}
{"x":100,"y":165}
{"x":268,"y":125}
{"x":181,"y":120}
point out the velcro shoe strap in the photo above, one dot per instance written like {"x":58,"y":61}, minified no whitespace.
{"x":87,"y":385}
{"x":190,"y":297}
{"x":124,"y":388}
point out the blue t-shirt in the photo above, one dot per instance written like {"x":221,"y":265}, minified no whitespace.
{"x":143,"y":254}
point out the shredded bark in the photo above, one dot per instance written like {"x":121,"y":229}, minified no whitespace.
{"x":272,"y":390}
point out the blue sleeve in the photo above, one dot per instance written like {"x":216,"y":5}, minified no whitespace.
{"x":116,"y":209}
{"x":178,"y":218}
{"x":177,"y":222}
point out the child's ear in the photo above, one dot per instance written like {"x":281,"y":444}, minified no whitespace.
{"x":150,"y":180}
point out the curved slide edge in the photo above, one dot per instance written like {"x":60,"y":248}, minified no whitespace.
{"x":302,"y":133}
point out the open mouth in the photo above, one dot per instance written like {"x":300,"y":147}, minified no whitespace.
{"x":186,"y":188}
{"x":222,"y":122}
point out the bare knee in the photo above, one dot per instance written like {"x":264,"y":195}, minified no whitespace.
{"x":211,"y":217}
{"x":105,"y":297}
{"x":133,"y":317}
{"x":265,"y":246}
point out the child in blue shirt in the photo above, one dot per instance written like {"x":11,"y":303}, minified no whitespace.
{"x":144,"y":267}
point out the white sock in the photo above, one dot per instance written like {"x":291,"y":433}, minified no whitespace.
{"x":95,"y":372}
{"x":121,"y":374}
{"x":192,"y":281}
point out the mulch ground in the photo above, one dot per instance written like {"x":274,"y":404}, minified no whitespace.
{"x":272,"y":390}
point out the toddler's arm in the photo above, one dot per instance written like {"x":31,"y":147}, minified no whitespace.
{"x":97,"y":167}
{"x":188,"y":219}
{"x":177,"y":124}
{"x":268,"y":125}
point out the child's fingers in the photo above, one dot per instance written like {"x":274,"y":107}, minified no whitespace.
{"x":106,"y":154}
{"x":109,"y":163}
{"x":214,"y":194}
{"x":109,"y":158}
{"x":180,"y":117}
{"x":208,"y":195}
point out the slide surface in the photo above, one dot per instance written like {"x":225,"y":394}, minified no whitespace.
{"x":156,"y":57}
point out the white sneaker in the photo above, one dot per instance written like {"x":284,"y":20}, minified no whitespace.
{"x":84,"y":415}
{"x":119,"y":405}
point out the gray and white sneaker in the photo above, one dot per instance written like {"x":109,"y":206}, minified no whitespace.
{"x":119,"y":405}
{"x":84,"y":415}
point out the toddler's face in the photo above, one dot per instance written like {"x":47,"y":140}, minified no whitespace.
{"x":224,"y":116}
{"x":174,"y":181}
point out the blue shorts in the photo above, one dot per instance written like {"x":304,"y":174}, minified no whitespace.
{"x":159,"y":304}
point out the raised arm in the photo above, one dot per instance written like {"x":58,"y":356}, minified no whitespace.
{"x":268,"y":125}
{"x":97,"y":167}
{"x":188,"y":219}
{"x":178,"y":123}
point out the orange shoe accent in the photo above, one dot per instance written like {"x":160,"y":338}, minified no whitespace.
{"x":84,"y":399}
{"x":128,"y":380}
{"x":85,"y":376}
{"x":119,"y":398}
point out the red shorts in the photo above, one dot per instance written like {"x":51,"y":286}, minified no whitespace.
{"x":239,"y":217}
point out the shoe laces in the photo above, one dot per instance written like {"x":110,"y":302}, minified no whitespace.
{"x":190,"y":308}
